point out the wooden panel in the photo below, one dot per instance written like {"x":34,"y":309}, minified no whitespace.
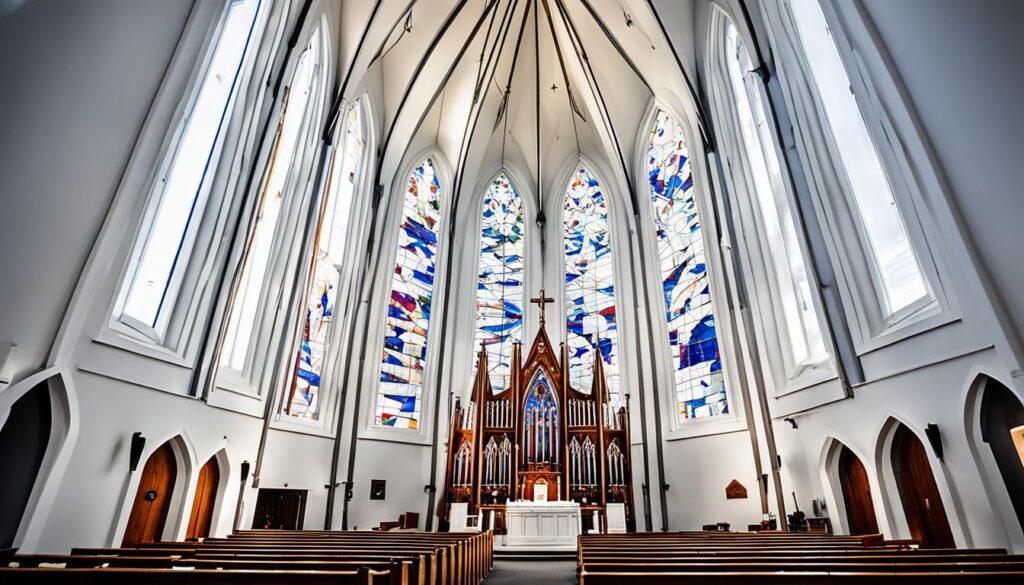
{"x":860,"y":508}
{"x":283,"y":509}
{"x":922,"y":503}
{"x":206,"y":496}
{"x":153,"y":498}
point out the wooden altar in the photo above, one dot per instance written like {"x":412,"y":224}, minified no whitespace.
{"x":539,"y":434}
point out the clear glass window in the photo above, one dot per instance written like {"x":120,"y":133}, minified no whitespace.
{"x":790,"y":286}
{"x":244,"y":308}
{"x":182,"y":189}
{"x":902,"y":282}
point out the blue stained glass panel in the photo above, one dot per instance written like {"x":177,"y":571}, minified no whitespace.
{"x":590,"y":319}
{"x":331,"y":247}
{"x":697,"y":364}
{"x":499,"y":297}
{"x":399,"y":398}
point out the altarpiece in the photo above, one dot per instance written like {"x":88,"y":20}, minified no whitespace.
{"x":539,"y":434}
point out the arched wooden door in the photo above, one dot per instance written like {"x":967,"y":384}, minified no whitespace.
{"x":860,"y":508}
{"x":24,"y":439}
{"x":153,"y":498}
{"x":206,"y":496}
{"x":922,"y":503}
{"x":1001,"y":412}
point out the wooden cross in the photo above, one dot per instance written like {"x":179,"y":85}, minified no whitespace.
{"x":540,"y":302}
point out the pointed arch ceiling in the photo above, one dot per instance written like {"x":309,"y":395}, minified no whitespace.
{"x":463,"y":74}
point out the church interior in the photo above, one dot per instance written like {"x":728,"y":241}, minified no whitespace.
{"x":428,"y":291}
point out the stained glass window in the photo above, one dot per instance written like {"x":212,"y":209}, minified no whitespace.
{"x":185,"y":183}
{"x":276,"y":187}
{"x":399,"y":399}
{"x":499,"y":295}
{"x":693,"y":338}
{"x":590,"y":320}
{"x":331,"y":241}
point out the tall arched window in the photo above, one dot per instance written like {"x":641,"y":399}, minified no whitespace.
{"x":281,"y":185}
{"x":768,"y":227}
{"x":182,"y":189}
{"x":320,"y":312}
{"x":590,"y":320}
{"x":895,"y":267}
{"x":400,"y":396}
{"x":693,"y":338}
{"x":499,"y":296}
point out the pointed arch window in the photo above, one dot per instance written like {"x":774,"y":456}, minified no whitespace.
{"x":780,"y":276}
{"x":182,"y":190}
{"x":400,"y":395}
{"x":693,"y":338}
{"x":321,"y":312}
{"x":499,"y":295}
{"x":894,"y":266}
{"x":280,"y":191}
{"x":589,"y":284}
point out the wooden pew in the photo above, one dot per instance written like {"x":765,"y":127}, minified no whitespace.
{"x":119,"y":576}
{"x":727,"y":558}
{"x":273,"y":556}
{"x":802,"y":578}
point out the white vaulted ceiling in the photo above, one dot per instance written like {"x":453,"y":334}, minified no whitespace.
{"x":442,"y":68}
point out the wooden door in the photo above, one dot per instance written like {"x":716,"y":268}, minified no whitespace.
{"x":206,"y":496}
{"x":860,"y":508}
{"x":24,"y":439}
{"x":153,"y":498}
{"x":1001,"y":412}
{"x":922,"y":504}
{"x":280,"y":508}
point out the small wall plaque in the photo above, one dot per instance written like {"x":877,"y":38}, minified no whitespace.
{"x":735,"y":491}
{"x":378,"y":488}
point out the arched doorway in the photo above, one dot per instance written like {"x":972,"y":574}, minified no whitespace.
{"x":922,"y":503}
{"x":206,"y":496}
{"x":1002,"y":417}
{"x":153,"y":498}
{"x":23,"y":443}
{"x":860,"y":508}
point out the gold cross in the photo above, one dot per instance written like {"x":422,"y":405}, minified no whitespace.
{"x":540,"y":302}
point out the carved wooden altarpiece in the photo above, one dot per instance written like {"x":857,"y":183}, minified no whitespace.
{"x":539,"y":432}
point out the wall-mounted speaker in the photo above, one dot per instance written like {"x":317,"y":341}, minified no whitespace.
{"x":245,"y":471}
{"x":138,"y":444}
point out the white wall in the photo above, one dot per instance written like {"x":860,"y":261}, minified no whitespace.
{"x":79,"y":78}
{"x":89,"y":89}
{"x":956,"y":61}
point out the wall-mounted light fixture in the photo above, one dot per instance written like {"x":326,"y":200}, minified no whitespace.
{"x":935,"y":438}
{"x":135,"y":454}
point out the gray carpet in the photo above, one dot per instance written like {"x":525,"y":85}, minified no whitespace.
{"x":532,"y":572}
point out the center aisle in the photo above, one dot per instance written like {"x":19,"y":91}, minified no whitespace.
{"x":509,"y":572}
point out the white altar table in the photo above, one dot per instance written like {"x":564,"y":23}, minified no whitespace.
{"x":542,"y":525}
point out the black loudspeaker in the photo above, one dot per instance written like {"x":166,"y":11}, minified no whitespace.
{"x":245,"y":471}
{"x":138,"y":444}
{"x":934,"y":438}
